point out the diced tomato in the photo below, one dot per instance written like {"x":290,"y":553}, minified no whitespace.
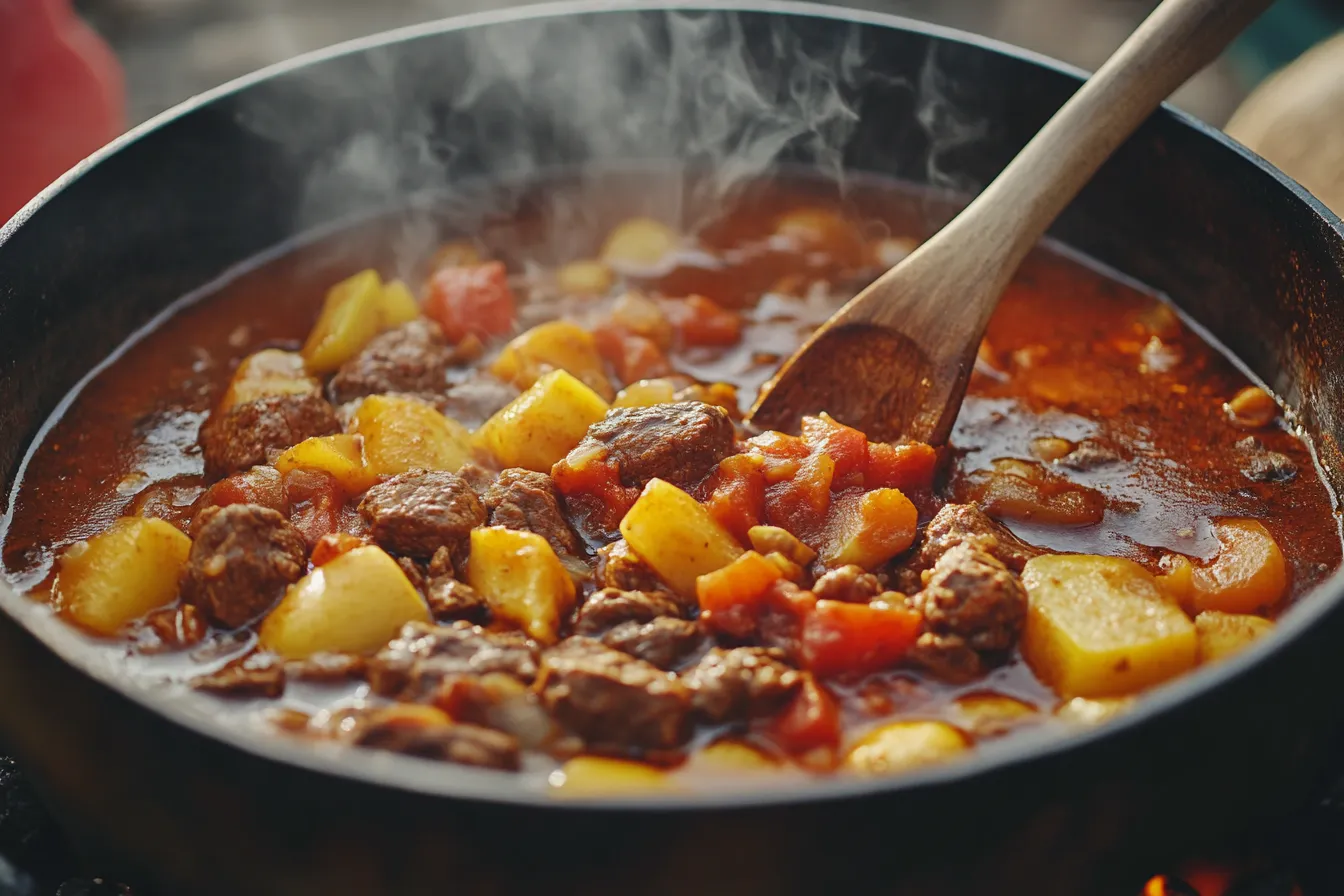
{"x":471,"y":300}
{"x":810,"y":722}
{"x":315,"y":500}
{"x":844,"y":638}
{"x":593,"y":492}
{"x":783,"y":454}
{"x":333,"y":545}
{"x":737,"y":497}
{"x":261,"y":485}
{"x":843,"y":444}
{"x":731,"y":598}
{"x":908,"y":466}
{"x":632,"y":356}
{"x":799,"y":504}
{"x":701,"y":321}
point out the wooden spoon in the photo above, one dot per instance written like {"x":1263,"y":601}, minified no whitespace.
{"x":895,"y":360}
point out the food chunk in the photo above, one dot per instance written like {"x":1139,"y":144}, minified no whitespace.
{"x":871,"y":530}
{"x":1100,"y":627}
{"x":1019,"y":490}
{"x":609,"y":607}
{"x":471,"y":300}
{"x":243,"y":559}
{"x":1249,"y":573}
{"x":1223,"y":634}
{"x":417,"y":513}
{"x":527,"y":501}
{"x":619,"y":567}
{"x":269,"y":372}
{"x":428,"y":733}
{"x":476,"y":399}
{"x":403,"y":434}
{"x":251,"y":433}
{"x":849,"y":584}
{"x":522,"y":580}
{"x":613,"y":700}
{"x":554,"y":345}
{"x":901,"y":746}
{"x":741,"y":683}
{"x":675,"y":535}
{"x":639,"y":245}
{"x":958,"y":524}
{"x":538,"y":428}
{"x":341,"y":456}
{"x":422,"y":657}
{"x":113,"y":578}
{"x":680,"y":443}
{"x":594,"y":776}
{"x":665,"y":641}
{"x":259,"y":485}
{"x":352,"y":604}
{"x":413,"y":359}
{"x":973,"y":610}
{"x":355,"y":310}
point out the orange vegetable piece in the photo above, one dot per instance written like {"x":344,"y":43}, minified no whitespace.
{"x":471,"y":300}
{"x":908,"y":466}
{"x":701,"y":321}
{"x":333,"y":545}
{"x":731,"y":598}
{"x":842,"y":638}
{"x":737,"y":501}
{"x":1249,"y":573}
{"x":810,"y":722}
{"x":632,"y":356}
{"x":799,"y":504}
{"x":315,"y":501}
{"x":843,"y":444}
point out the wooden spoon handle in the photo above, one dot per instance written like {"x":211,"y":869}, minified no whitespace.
{"x":1178,"y":39}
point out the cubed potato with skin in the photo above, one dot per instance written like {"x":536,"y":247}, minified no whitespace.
{"x":402,"y":434}
{"x":116,"y":577}
{"x":1223,"y":634}
{"x":676,"y":536}
{"x":522,"y":579}
{"x":1249,"y":573}
{"x":340,"y":455}
{"x":538,"y":428}
{"x":901,"y":746}
{"x":554,"y":345}
{"x":599,"y":776}
{"x":1101,"y":627}
{"x":354,"y":603}
{"x":872,"y":530}
{"x":268,"y":372}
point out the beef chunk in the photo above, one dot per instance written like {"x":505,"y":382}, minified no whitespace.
{"x":243,"y":558}
{"x":948,"y":657}
{"x":681,"y":442}
{"x":667,"y":642}
{"x":619,"y":567}
{"x":260,"y":485}
{"x":970,"y":601}
{"x":613,"y":700}
{"x":610,"y":607}
{"x":326,"y":667}
{"x":477,"y":477}
{"x":419,"y":512}
{"x":422,"y":656}
{"x":848,"y":583}
{"x":499,"y":701}
{"x":522,"y":499}
{"x":965,"y":523}
{"x":247,"y":435}
{"x":474,"y":401}
{"x":390,"y":729}
{"x":412,"y":358}
{"x":172,"y":628}
{"x":450,"y":599}
{"x":741,"y":683}
{"x":255,"y":675}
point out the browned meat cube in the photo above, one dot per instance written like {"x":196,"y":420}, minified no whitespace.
{"x":848,"y":583}
{"x":741,"y":683}
{"x":680,"y":442}
{"x":424,"y":655}
{"x":613,"y":700}
{"x":391,"y":729}
{"x":243,"y":558}
{"x":965,"y":523}
{"x":610,"y":607}
{"x":412,"y":359}
{"x":619,"y":567}
{"x":522,"y":499}
{"x":474,"y":401}
{"x":249,"y":434}
{"x":667,"y":642}
{"x":419,"y":512}
{"x":450,"y":599}
{"x":254,"y":675}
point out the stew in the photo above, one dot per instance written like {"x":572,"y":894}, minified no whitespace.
{"x":495,"y":504}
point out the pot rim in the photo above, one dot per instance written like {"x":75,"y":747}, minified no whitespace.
{"x":427,"y":778}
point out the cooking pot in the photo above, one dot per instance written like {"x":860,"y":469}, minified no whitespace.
{"x":155,"y":788}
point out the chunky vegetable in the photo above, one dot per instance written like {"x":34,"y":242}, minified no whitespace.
{"x":402,"y":434}
{"x":556,"y":345}
{"x":730,"y":597}
{"x":116,"y":577}
{"x":871,"y":529}
{"x":342,"y":456}
{"x":471,"y":300}
{"x":538,"y":428}
{"x":1100,"y":627}
{"x":644,"y":394}
{"x":521,"y":578}
{"x":269,"y":372}
{"x":854,"y":639}
{"x":901,"y":746}
{"x":585,"y":278}
{"x":639,"y":244}
{"x":1019,"y":490}
{"x":355,"y":310}
{"x":1249,"y":573}
{"x":354,"y":603}
{"x":597,"y":776}
{"x":675,"y":535}
{"x":1223,"y":634}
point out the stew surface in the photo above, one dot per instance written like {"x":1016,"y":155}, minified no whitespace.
{"x":502,"y":511}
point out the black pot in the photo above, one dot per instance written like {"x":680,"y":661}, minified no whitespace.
{"x":155,"y":790}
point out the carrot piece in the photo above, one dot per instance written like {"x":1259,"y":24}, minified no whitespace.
{"x":843,"y":638}
{"x":471,"y":300}
{"x":730,"y":598}
{"x":737,"y":500}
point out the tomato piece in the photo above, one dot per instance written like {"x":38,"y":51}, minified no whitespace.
{"x":471,"y":300}
{"x":333,"y":545}
{"x":843,"y":444}
{"x":810,"y":722}
{"x":737,"y":497}
{"x":783,"y":454}
{"x":799,"y":504}
{"x":259,"y":485}
{"x":731,"y":598}
{"x":908,"y":466}
{"x":843,"y":638}
{"x":632,"y":356}
{"x":315,"y":501}
{"x":701,"y":321}
{"x":593,"y":492}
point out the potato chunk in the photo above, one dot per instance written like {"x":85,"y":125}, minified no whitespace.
{"x":585,"y":277}
{"x":645,"y":393}
{"x":1223,"y":634}
{"x":521,"y":579}
{"x":555,"y":345}
{"x":598,"y":776}
{"x":340,"y":455}
{"x":901,"y":746}
{"x":640,"y":244}
{"x":1101,"y":627}
{"x":872,"y":530}
{"x":268,"y":372}
{"x":118,"y":576}
{"x":403,"y":434}
{"x":1248,"y":574}
{"x":674,"y":534}
{"x":356,"y":309}
{"x":355,"y":603}
{"x":538,"y":428}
